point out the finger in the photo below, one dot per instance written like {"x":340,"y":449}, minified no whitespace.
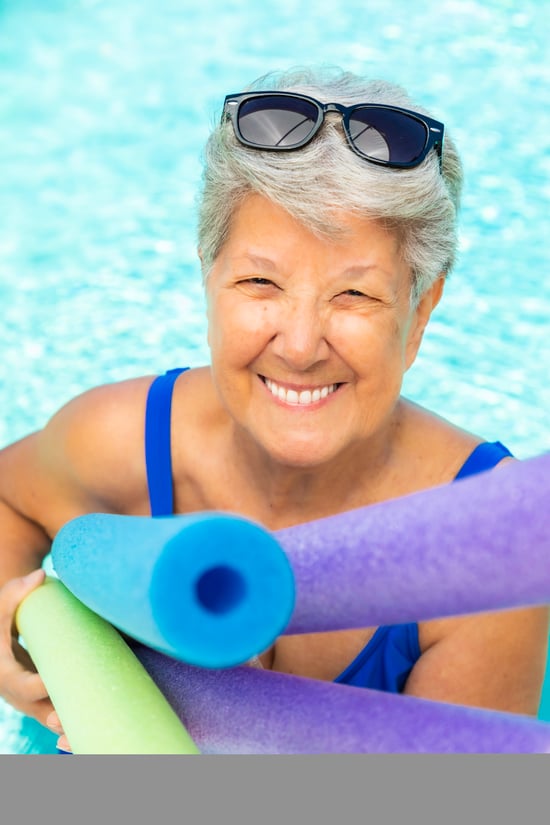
{"x":23,"y":693}
{"x":29,"y":686}
{"x":11,"y":595}
{"x":23,"y":657}
{"x":41,"y":710}
{"x":18,"y":674}
{"x":16,"y":665}
{"x":37,"y":710}
{"x":22,"y":686}
{"x":63,"y":744}
{"x":23,"y":689}
{"x":54,"y":723}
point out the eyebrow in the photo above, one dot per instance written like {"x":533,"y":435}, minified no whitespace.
{"x":359,"y":270}
{"x":258,"y":260}
{"x":354,"y":271}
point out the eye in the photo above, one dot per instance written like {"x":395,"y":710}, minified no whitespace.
{"x":354,"y":299}
{"x":258,"y":281}
{"x":354,"y":293}
{"x":257,"y":285}
{"x":348,"y":295}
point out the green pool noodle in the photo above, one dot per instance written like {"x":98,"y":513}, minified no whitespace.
{"x":105,"y":699}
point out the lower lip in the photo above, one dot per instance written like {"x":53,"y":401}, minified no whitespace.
{"x":314,"y":405}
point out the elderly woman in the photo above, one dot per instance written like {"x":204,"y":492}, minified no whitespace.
{"x":327,"y":227}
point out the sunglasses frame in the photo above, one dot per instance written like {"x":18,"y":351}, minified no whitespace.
{"x":434,"y":128}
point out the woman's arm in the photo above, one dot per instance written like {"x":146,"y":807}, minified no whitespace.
{"x":88,"y":458}
{"x":491,"y":660}
{"x":23,"y":547}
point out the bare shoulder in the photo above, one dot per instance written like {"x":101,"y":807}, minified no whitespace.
{"x":103,"y":407}
{"x":101,"y":435}
{"x":89,"y":456}
{"x":199,"y":423}
{"x":197,"y":413}
{"x":437,"y":447}
{"x":195,"y":394}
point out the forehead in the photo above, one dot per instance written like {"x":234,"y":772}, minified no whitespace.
{"x":261,"y":229}
{"x":266,"y":241}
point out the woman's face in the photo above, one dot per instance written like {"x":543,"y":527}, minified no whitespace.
{"x":310,"y":338}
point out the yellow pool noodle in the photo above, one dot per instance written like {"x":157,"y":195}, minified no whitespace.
{"x":105,"y":699}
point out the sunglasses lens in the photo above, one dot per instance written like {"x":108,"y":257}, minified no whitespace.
{"x":384,"y":135}
{"x":277,"y":121}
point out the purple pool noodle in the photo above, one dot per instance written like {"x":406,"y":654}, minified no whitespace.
{"x":248,"y":711}
{"x":478,"y":544}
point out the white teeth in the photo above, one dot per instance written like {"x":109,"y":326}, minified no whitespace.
{"x":303,"y":398}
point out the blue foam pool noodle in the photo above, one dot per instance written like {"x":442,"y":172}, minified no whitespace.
{"x":210,"y":589}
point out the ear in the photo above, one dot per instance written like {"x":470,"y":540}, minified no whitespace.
{"x":420,"y":317}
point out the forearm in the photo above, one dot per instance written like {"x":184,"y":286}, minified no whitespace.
{"x":23,"y":544}
{"x":28,"y":492}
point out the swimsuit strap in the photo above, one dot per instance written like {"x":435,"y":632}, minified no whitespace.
{"x":484,"y":457}
{"x":158,"y":459}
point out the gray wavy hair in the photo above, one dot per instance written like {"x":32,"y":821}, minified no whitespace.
{"x":420,"y":205}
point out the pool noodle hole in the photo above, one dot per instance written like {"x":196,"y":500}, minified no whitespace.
{"x":220,"y":589}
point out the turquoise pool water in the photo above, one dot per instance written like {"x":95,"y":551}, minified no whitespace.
{"x":103,"y":112}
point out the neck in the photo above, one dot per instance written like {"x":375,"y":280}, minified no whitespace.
{"x":287,"y":495}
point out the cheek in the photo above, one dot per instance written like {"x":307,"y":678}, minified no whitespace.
{"x":375,"y":341}
{"x":238,"y":327}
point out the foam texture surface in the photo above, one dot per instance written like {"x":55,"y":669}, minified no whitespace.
{"x":247,"y":711}
{"x":478,"y":544}
{"x":107,"y":702}
{"x":210,"y":589}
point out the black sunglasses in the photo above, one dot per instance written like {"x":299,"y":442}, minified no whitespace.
{"x":386,"y":135}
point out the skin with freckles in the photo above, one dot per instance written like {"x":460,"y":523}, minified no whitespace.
{"x":298,"y":416}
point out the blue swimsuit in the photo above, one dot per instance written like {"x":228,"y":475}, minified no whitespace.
{"x":388,"y":658}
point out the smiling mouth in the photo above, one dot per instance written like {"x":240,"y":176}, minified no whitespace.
{"x":299,"y":398}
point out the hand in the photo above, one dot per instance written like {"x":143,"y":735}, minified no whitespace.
{"x":20,"y":684}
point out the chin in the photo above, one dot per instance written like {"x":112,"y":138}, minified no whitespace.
{"x":302,"y":454}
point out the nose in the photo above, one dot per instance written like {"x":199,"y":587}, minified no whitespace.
{"x":300,"y":339}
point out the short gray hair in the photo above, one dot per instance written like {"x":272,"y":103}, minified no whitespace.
{"x":420,"y":205}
